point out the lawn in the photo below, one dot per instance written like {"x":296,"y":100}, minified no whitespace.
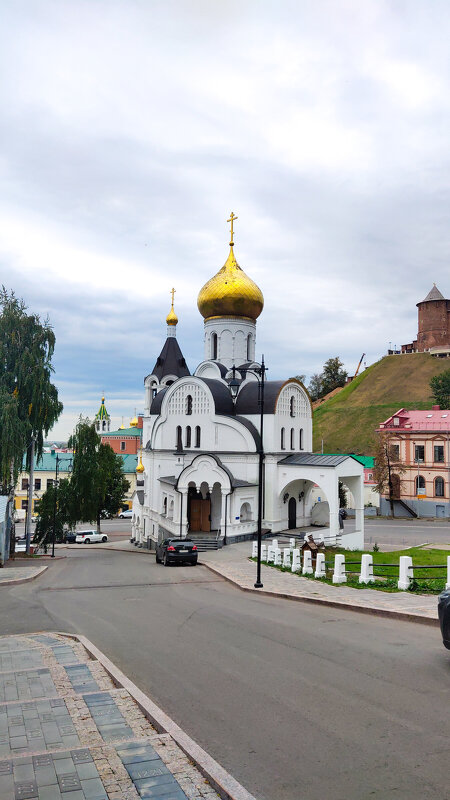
{"x":386,"y":566}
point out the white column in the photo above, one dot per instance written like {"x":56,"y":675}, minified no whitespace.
{"x":320,"y":566}
{"x":406,"y":572}
{"x":222,"y":512}
{"x":339,"y":575}
{"x":184,"y":511}
{"x":366,"y":575}
{"x":307,"y":563}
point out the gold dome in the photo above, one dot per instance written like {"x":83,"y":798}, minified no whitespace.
{"x":230,"y":293}
{"x":134,"y":422}
{"x":140,"y":467}
{"x":172,"y":318}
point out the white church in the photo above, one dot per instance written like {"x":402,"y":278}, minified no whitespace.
{"x":199,"y":466}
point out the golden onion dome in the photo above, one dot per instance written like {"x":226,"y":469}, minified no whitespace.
{"x":140,"y":467}
{"x":134,"y":422}
{"x":172,"y":318}
{"x":230,"y":293}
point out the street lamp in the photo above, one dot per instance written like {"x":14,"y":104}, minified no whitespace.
{"x":259,"y":373}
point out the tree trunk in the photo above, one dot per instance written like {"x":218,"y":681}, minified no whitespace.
{"x":98,"y":522}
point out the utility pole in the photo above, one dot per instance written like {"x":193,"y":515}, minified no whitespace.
{"x":30,"y":498}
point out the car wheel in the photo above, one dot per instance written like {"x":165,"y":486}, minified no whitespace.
{"x":165,"y":560}
{"x":158,"y":560}
{"x":104,"y":538}
{"x":86,"y":541}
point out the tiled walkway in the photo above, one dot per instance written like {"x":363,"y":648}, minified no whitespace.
{"x":236,"y":566}
{"x":66,"y":733}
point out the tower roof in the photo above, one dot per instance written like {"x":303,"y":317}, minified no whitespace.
{"x":102,"y":412}
{"x":433,"y":294}
{"x":170,"y":361}
{"x":230,"y":293}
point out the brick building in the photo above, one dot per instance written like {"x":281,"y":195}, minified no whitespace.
{"x":433,"y":334}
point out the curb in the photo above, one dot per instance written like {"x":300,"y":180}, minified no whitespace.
{"x":224,"y":784}
{"x":405,"y":616}
{"x":24,"y":580}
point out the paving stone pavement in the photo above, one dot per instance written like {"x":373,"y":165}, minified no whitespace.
{"x":67,"y":733}
{"x":239,"y":569}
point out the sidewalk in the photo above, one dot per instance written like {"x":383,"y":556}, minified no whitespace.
{"x":68,"y":733}
{"x":233,"y":564}
{"x":12,"y":574}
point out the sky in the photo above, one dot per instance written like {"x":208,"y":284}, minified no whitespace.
{"x":130,"y":129}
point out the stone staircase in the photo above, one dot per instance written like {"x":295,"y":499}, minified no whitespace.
{"x":205,"y":541}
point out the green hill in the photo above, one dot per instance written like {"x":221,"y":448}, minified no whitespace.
{"x":346,"y":422}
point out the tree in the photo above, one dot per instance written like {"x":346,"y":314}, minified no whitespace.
{"x":440,"y":389}
{"x":333,"y":375}
{"x":387,"y":464}
{"x":300,"y":378}
{"x":315,"y":386}
{"x":53,"y":510}
{"x":97,"y":484}
{"x":29,"y":404}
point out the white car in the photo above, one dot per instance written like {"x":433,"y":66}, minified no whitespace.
{"x":89,"y":537}
{"x":126,"y":514}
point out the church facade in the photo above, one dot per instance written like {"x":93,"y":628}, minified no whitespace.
{"x":199,"y":466}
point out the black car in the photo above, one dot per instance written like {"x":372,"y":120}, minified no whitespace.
{"x":176,"y":551}
{"x":69,"y":537}
{"x":444,"y":616}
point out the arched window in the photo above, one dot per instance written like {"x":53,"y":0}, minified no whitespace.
{"x":189,"y":404}
{"x":214,"y":345}
{"x":439,"y":487}
{"x":282,"y":439}
{"x":245,"y":513}
{"x":420,"y":484}
{"x":197,"y":436}
{"x":104,"y":425}
{"x":300,"y":439}
{"x":165,"y":507}
{"x":179,"y":442}
{"x":292,"y":407}
{"x":188,"y":436}
{"x":292,"y":439}
{"x":249,"y":347}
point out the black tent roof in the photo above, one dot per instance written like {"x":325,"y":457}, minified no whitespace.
{"x":170,"y":361}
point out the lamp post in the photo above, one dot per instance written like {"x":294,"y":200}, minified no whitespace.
{"x":259,"y":373}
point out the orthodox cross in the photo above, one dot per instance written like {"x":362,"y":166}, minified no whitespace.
{"x":232,"y":218}
{"x":172,"y":292}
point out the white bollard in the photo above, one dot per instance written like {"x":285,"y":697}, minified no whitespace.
{"x":320,"y":566}
{"x":275,"y":543}
{"x":339,"y":575}
{"x":287,"y":557}
{"x":263,"y":552}
{"x":447,"y":585}
{"x":255,"y":550}
{"x":277,"y":557}
{"x":270,"y":554}
{"x":296,"y":560}
{"x":292,"y":543}
{"x":406,"y":573}
{"x":307,"y":563}
{"x":366,"y":575}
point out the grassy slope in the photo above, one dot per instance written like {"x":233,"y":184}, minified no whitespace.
{"x":347,"y":421}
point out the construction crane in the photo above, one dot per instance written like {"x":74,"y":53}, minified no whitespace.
{"x":357,"y":368}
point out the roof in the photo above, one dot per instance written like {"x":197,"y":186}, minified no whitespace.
{"x":314,"y":460}
{"x":123,"y":432}
{"x":223,"y":402}
{"x":129,"y":462}
{"x":140,"y":496}
{"x":434,"y":420}
{"x":433,"y":294}
{"x":47,"y":462}
{"x":170,"y":479}
{"x":248,"y":398}
{"x":170,"y":361}
{"x":368,"y":462}
{"x":102,"y":412}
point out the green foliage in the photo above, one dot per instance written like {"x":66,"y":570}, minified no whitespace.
{"x":342,"y":496}
{"x":52,"y":511}
{"x":98,"y":484}
{"x":440,"y":389}
{"x":315,"y":386}
{"x":29,"y":404}
{"x":333,"y":375}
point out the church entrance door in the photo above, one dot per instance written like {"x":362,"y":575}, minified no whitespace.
{"x":292,"y":513}
{"x":200,"y":515}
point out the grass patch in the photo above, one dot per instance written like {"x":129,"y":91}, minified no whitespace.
{"x":385,"y":568}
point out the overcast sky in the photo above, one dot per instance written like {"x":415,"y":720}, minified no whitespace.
{"x":129,"y":131}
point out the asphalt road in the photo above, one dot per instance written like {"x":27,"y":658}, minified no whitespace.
{"x":296,"y":701}
{"x":396,"y":534}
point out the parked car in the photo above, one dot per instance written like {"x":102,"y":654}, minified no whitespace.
{"x":176,"y":551}
{"x":90,"y":537}
{"x":70,"y":537}
{"x":126,"y":514}
{"x":444,"y":616}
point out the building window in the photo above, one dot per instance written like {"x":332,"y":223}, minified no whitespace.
{"x":282,"y":439}
{"x":439,"y":453}
{"x":179,"y":442}
{"x":123,"y":445}
{"x":37,"y":484}
{"x":292,"y":439}
{"x":419,"y":452}
{"x":197,"y":436}
{"x":439,"y":487}
{"x":395,"y":452}
{"x":420,"y":484}
{"x":291,"y":407}
{"x":214,"y":345}
{"x":25,"y":504}
{"x":249,"y":347}
{"x":300,"y":439}
{"x":188,"y":436}
{"x":50,"y":482}
{"x":189,"y":404}
{"x":24,"y":484}
{"x":164,"y":511}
